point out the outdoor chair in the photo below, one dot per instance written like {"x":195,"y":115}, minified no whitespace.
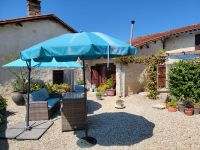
{"x":42,"y":105}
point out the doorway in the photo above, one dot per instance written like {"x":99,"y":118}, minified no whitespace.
{"x":100,"y":73}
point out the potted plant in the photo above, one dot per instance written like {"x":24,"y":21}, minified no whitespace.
{"x":168,"y":99}
{"x":102,"y":89}
{"x":110,"y":91}
{"x":19,"y":89}
{"x":55,"y":90}
{"x":98,"y":95}
{"x":197,"y":108}
{"x":119,"y":104}
{"x":189,"y":107}
{"x":172,"y":106}
{"x":181,"y":107}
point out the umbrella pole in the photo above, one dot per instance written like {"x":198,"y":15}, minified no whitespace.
{"x":88,"y":139}
{"x":85,"y":94}
{"x":27,"y":127}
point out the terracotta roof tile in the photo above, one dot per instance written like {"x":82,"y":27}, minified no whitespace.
{"x":38,"y":17}
{"x":143,"y":40}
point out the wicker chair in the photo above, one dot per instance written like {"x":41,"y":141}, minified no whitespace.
{"x":42,"y":105}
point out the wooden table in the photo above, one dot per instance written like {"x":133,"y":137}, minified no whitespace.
{"x":73,"y":112}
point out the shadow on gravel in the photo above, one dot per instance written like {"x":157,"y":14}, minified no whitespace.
{"x":118,"y":129}
{"x":93,"y":106}
{"x":3,"y":126}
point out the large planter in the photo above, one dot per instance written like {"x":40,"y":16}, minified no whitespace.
{"x":196,"y":109}
{"x":189,"y":111}
{"x":181,"y":107}
{"x":172,"y":108}
{"x":18,"y":98}
{"x":110,"y":92}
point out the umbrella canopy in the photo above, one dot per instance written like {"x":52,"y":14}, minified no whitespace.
{"x":68,"y":47}
{"x":53,"y":63}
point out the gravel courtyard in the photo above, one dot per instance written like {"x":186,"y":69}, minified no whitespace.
{"x":138,"y":126}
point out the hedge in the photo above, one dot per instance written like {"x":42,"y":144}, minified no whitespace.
{"x":184,"y":80}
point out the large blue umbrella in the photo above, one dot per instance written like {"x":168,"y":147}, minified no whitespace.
{"x":68,"y":47}
{"x":53,"y":63}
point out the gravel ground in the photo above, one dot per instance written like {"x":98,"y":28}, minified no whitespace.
{"x":138,"y":126}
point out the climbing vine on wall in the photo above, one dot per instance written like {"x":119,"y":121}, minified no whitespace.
{"x":152,"y":65}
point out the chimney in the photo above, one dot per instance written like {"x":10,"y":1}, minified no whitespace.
{"x":33,"y":7}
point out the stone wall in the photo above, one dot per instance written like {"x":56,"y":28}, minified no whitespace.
{"x":14,"y":38}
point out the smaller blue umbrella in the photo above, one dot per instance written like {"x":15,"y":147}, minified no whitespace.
{"x":20,"y":63}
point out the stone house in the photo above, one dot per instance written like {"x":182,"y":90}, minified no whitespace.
{"x":21,"y":33}
{"x":130,"y":78}
{"x":173,"y":41}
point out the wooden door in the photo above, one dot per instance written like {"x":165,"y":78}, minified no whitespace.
{"x":162,"y":76}
{"x":100,"y":73}
{"x":95,"y":75}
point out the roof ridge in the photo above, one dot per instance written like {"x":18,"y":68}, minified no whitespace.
{"x":142,"y":40}
{"x":7,"y":21}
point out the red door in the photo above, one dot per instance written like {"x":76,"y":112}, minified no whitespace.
{"x":94,"y":76}
{"x":162,"y":76}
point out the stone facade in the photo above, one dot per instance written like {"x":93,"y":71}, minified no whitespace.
{"x":15,"y":37}
{"x":135,"y":72}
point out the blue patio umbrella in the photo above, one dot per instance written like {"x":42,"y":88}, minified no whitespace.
{"x":68,"y":47}
{"x":71,"y":46}
{"x":53,"y":63}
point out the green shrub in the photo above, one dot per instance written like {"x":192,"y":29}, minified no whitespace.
{"x":98,"y":94}
{"x":172,"y":103}
{"x":57,"y":88}
{"x":184,"y":80}
{"x":2,"y":106}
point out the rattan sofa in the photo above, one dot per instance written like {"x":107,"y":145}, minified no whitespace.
{"x":42,"y":105}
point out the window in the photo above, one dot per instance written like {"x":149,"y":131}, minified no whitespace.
{"x":197,"y":42}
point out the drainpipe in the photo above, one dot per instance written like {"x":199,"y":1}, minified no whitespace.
{"x":123,"y":70}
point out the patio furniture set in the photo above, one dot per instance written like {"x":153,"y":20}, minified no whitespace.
{"x":72,"y":106}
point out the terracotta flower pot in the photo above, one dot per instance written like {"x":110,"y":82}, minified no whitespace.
{"x":110,"y":92}
{"x":189,"y":111}
{"x":172,"y":108}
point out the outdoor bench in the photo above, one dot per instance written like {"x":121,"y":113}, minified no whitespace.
{"x":42,"y":105}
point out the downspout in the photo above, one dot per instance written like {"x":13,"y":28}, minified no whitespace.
{"x":123,"y":71}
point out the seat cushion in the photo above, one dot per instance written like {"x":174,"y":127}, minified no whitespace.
{"x":79,"y":88}
{"x":39,"y":95}
{"x":52,"y":102}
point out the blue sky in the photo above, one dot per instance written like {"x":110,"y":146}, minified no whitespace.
{"x":113,"y":16}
